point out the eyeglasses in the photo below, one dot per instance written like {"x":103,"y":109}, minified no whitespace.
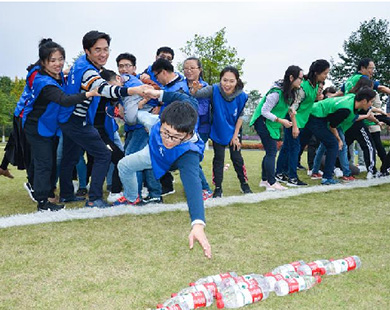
{"x":190,"y":69}
{"x":99,"y":51}
{"x":167,"y":136}
{"x":156,"y":74}
{"x":127,"y":66}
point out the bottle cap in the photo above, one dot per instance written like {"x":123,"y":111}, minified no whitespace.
{"x":322,"y":271}
{"x":173,"y":294}
{"x":159,"y":306}
{"x":192,"y":284}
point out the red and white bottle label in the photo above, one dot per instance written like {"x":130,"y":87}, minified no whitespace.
{"x":351,"y":263}
{"x":293,"y":285}
{"x":256,"y":293}
{"x":199,"y":300}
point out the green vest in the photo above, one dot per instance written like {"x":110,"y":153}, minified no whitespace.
{"x":280,"y":110}
{"x":306,"y":105}
{"x":328,"y":106}
{"x":351,"y":82}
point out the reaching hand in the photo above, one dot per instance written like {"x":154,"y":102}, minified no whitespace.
{"x":195,"y":87}
{"x":151,"y":93}
{"x":197,"y":234}
{"x":235,"y":142}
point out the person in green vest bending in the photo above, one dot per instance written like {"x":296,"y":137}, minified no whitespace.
{"x":329,"y":114}
{"x":269,"y":117}
{"x":286,"y":166}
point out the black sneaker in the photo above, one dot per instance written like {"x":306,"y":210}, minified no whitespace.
{"x":30,"y":191}
{"x":152,"y":200}
{"x":72,"y":199}
{"x":281,"y":177}
{"x":295,"y":182}
{"x":49,"y":206}
{"x":245,"y":188}
{"x":167,"y":191}
{"x":81,"y":192}
{"x":217,"y":192}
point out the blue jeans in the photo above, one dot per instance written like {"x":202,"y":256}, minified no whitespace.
{"x":319,"y":127}
{"x":136,"y":140}
{"x":270,"y":147}
{"x":343,"y":156}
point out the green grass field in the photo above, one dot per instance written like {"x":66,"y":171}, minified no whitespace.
{"x":136,"y":262}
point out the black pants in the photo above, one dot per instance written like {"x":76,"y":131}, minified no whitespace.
{"x":116,"y":155}
{"x":360,"y":133}
{"x":44,"y":153}
{"x":219,"y":160}
{"x":376,"y":137}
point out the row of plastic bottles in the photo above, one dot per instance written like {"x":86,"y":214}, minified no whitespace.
{"x":233,"y":291}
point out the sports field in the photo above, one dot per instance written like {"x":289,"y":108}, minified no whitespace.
{"x":135,"y":261}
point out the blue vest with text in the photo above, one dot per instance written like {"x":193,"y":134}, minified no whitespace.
{"x":47,"y":123}
{"x":73,"y":86}
{"x":163,"y":158}
{"x":26,"y":96}
{"x":225,"y":116}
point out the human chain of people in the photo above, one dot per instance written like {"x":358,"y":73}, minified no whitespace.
{"x":62,"y":118}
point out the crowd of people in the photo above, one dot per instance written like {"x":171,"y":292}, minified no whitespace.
{"x":63,"y":118}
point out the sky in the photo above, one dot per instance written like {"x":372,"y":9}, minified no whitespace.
{"x":270,"y":36}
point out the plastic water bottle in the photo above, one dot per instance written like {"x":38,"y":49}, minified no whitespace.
{"x":209,"y":287}
{"x":316,"y":267}
{"x":190,"y":301}
{"x":239,"y":295}
{"x":343,"y":265}
{"x":288,"y":267}
{"x":250,"y":279}
{"x":273,"y":278}
{"x":217,"y":279}
{"x":293,"y":285}
{"x":174,"y":307}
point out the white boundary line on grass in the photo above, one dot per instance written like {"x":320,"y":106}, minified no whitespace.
{"x":87,"y":213}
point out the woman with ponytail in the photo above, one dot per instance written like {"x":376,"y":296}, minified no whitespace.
{"x":40,"y":120}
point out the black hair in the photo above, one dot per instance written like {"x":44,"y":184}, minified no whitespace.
{"x":127,"y":56}
{"x":47,"y":47}
{"x":233,"y":70}
{"x":181,"y":116}
{"x":91,"y":37}
{"x":198,"y":63}
{"x":165,"y":49}
{"x":108,"y":75}
{"x":362,"y":82}
{"x":363,"y":63}
{"x":162,"y":64}
{"x":288,"y":92}
{"x":30,"y":66}
{"x":316,"y":67}
{"x":365,"y":93}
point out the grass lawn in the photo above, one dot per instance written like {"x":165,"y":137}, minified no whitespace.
{"x":135,"y":262}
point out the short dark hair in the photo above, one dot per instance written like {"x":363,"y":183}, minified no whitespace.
{"x":181,"y":116}
{"x":91,"y":37}
{"x":108,"y":75}
{"x":329,"y":90}
{"x":162,"y":64}
{"x":362,"y":82}
{"x":47,"y":47}
{"x":165,"y":49}
{"x":365,"y":93}
{"x":233,"y":70}
{"x":364,"y":62}
{"x":127,"y":56}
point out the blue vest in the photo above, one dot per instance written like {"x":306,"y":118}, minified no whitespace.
{"x":163,"y":158}
{"x":179,"y":85}
{"x":47,"y":122}
{"x":26,"y":96}
{"x":110,"y":125}
{"x":225,"y":116}
{"x":73,"y":86}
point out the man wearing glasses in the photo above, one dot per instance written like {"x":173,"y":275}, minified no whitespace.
{"x":76,"y":122}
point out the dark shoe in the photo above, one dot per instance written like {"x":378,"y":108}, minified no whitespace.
{"x":72,"y":199}
{"x":123,"y":201}
{"x":281,"y":177}
{"x":245,"y":188}
{"x":99,"y":203}
{"x":49,"y":206}
{"x":30,"y":191}
{"x":295,"y":182}
{"x":152,"y":200}
{"x":167,"y":191}
{"x":81,"y":192}
{"x":6,"y":173}
{"x":217,"y":192}
{"x":300,"y":167}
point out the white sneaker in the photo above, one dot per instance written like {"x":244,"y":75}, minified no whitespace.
{"x":362,"y":168}
{"x":114,"y":197}
{"x":370,"y":176}
{"x":309,"y":172}
{"x":276,"y":187}
{"x":338,"y":173}
{"x":264,"y":183}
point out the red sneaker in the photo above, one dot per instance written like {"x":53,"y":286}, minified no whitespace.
{"x":349,"y":179}
{"x":123,"y":201}
{"x":316,"y":176}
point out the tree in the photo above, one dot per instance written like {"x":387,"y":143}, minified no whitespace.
{"x":253,"y":100}
{"x":372,"y":40}
{"x":214,"y":53}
